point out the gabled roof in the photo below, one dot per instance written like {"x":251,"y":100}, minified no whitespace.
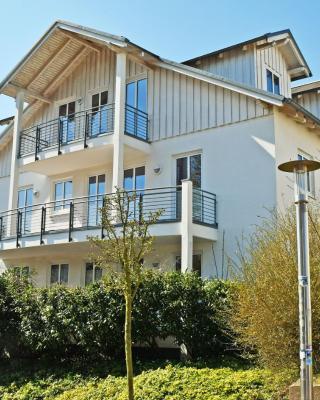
{"x":307,"y":87}
{"x":271,"y":37}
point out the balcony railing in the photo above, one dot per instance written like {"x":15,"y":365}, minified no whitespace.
{"x":83,"y":213}
{"x":136,"y":123}
{"x":80,"y":126}
{"x":64,"y":130}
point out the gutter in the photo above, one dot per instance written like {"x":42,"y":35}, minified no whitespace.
{"x":301,"y":109}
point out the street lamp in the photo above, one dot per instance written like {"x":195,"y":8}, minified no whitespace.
{"x":301,"y":168}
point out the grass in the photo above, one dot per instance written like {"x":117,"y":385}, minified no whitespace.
{"x":163,"y":380}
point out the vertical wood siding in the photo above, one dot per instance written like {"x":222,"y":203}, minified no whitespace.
{"x":94,"y":74}
{"x":310,"y":101}
{"x":271,"y":57}
{"x":5,"y":160}
{"x":179,"y":104}
{"x":237,"y":65}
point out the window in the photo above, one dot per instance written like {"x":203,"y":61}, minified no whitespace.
{"x":99,"y":120}
{"x":59,"y":273}
{"x":67,"y":121}
{"x":196,"y":261}
{"x":273,"y":82}
{"x":96,"y":191}
{"x":22,"y":272}
{"x":136,"y":101}
{"x":62,"y":195}
{"x":189,"y":167}
{"x":93,"y":273}
{"x":134,"y":179}
{"x":25,"y":207}
{"x":310,"y":175}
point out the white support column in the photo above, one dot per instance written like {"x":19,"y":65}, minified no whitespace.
{"x":119,"y":120}
{"x":14,"y":172}
{"x":186,"y":227}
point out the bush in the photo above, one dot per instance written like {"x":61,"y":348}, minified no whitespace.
{"x":266,"y":306}
{"x":184,"y":383}
{"x":60,"y":322}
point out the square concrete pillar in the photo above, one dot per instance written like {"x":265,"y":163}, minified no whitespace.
{"x":186,"y":226}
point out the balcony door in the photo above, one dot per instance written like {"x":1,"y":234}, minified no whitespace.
{"x":98,"y":118}
{"x":189,"y":167}
{"x":134,"y":181}
{"x":67,"y":123}
{"x":25,"y":197}
{"x":136,"y":108}
{"x":96,"y":191}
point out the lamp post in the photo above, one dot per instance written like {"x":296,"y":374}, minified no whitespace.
{"x":301,"y":168}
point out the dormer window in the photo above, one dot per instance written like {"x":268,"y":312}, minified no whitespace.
{"x":273,"y":82}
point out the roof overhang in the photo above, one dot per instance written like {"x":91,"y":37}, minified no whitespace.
{"x":297,"y":65}
{"x":57,"y":53}
{"x":306,"y":88}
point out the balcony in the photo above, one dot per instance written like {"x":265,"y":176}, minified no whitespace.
{"x":80,"y":128}
{"x":61,"y":221}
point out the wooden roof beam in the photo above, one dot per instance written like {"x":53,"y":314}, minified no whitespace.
{"x":31,"y":93}
{"x":67,"y":71}
{"x":84,"y":42}
{"x":49,"y":62}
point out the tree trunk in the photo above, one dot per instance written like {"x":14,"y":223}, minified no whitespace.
{"x":128,"y":346}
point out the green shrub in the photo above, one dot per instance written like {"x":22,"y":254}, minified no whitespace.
{"x":266,"y":306}
{"x":186,"y":383}
{"x":60,"y":322}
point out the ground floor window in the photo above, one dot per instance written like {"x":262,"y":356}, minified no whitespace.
{"x":93,"y":273}
{"x":196,"y":260}
{"x":22,"y":272}
{"x":59,"y":273}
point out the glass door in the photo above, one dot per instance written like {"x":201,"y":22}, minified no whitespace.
{"x":96,"y":191}
{"x":25,"y":197}
{"x":134,"y":181}
{"x":67,"y":122}
{"x":189,"y":167}
{"x":98,"y":119}
{"x":136,"y":101}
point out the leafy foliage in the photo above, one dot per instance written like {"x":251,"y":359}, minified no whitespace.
{"x":154,"y":381}
{"x":60,"y":322}
{"x":266,"y":303}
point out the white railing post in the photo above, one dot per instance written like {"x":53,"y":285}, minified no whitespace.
{"x":14,"y":171}
{"x":186,"y":227}
{"x":119,"y":120}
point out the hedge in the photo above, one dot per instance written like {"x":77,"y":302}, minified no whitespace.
{"x":61,"y":321}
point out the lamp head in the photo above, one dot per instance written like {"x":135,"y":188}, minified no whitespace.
{"x":301,"y":166}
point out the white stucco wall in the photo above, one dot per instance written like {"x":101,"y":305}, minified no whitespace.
{"x":293,"y":138}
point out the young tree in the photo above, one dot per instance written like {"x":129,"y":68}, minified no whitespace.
{"x":126,"y":241}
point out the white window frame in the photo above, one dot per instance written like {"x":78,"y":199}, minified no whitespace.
{"x":59,"y":274}
{"x":274,"y":73}
{"x":18,"y":270}
{"x":63,"y":208}
{"x":311,"y":175}
{"x":134,"y":167}
{"x":188,"y":155}
{"x":67,"y":100}
{"x":93,"y":273}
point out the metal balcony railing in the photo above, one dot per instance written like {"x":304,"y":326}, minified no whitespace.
{"x":136,"y":123}
{"x":83,"y":213}
{"x":204,"y":207}
{"x":64,"y":130}
{"x":80,"y":126}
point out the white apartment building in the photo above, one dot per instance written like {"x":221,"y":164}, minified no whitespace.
{"x":200,"y":139}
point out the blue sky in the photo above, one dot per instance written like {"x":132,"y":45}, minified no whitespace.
{"x":174,"y":29}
